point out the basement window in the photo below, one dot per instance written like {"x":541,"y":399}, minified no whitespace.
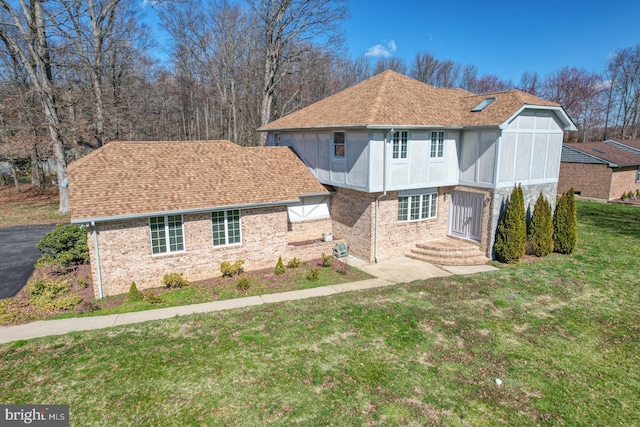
{"x":484,"y":104}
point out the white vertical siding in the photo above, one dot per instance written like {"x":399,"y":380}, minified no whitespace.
{"x":530,"y":149}
{"x":477,"y":157}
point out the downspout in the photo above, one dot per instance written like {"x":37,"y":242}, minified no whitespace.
{"x":384,"y":193}
{"x":95,"y":244}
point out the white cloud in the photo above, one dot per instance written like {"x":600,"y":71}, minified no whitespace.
{"x":385,"y":50}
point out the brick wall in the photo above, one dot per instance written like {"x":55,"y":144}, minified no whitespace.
{"x":352,"y":214}
{"x":590,"y":180}
{"x":396,"y":238}
{"x":623,"y":180}
{"x":312,"y":229}
{"x":125,"y":249}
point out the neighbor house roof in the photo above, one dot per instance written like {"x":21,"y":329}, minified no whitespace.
{"x":392,"y":99}
{"x":130,"y":179}
{"x":630,"y":145}
{"x":598,"y":152}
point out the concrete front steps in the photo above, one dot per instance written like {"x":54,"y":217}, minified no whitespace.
{"x":448,"y":251}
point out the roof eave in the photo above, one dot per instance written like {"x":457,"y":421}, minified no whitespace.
{"x":184,"y":211}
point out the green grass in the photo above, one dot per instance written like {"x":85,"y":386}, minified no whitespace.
{"x":562,"y":333}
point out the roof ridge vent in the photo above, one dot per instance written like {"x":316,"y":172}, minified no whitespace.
{"x":597,"y":150}
{"x":483,"y":104}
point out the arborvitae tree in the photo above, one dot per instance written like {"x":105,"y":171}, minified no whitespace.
{"x":511,"y":235}
{"x":134,"y":293}
{"x":541,"y":228}
{"x":565,"y":224}
{"x":279,"y":267}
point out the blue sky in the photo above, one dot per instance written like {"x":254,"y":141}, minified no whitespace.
{"x":504,"y":38}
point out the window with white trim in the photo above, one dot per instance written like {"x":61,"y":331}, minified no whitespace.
{"x":400,"y":144}
{"x":167,"y":234}
{"x":437,"y":144}
{"x":638,"y":175}
{"x":338,"y":145}
{"x":226,"y":227}
{"x":416,"y":207}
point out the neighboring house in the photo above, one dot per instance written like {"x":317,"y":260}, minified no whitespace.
{"x":411,"y":163}
{"x":160,"y":207}
{"x":600,"y":170}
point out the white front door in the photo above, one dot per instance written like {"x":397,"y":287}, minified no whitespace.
{"x":465,"y":215}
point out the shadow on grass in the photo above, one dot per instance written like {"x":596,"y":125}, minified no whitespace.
{"x":615,"y":219}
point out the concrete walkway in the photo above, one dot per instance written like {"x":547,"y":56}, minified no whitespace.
{"x":389,"y":272}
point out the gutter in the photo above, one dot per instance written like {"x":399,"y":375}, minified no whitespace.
{"x":384,"y":193}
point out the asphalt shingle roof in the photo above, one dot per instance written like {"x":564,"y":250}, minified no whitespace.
{"x":390,"y":98}
{"x":126,"y":178}
{"x":600,"y":150}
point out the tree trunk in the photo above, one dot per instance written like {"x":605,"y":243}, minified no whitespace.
{"x":14,"y":174}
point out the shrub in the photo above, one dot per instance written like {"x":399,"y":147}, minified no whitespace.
{"x":313,"y":275}
{"x":230,"y":270}
{"x":293,"y":263}
{"x":327,"y":260}
{"x":565,"y":224}
{"x":279,"y":267}
{"x":638,"y":192}
{"x":243,"y":283}
{"x":134,"y":293}
{"x":66,"y":302}
{"x":152,"y":298}
{"x":541,"y":228}
{"x":174,"y":281}
{"x":47,"y":295}
{"x":511,"y":235}
{"x":65,"y":245}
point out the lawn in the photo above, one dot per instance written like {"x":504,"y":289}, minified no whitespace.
{"x":561,"y":333}
{"x":30,"y":206}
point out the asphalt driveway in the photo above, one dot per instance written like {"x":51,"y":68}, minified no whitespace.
{"x":18,"y":253}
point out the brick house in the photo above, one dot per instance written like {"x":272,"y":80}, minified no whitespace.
{"x":600,"y":170}
{"x":154,"y":208}
{"x":413,"y":165}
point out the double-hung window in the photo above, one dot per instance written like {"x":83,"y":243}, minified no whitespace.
{"x":415,"y":205}
{"x":400,"y":144}
{"x":226,"y":227}
{"x":638,"y":175}
{"x":167,"y":234}
{"x":338,"y":145}
{"x":437,"y":144}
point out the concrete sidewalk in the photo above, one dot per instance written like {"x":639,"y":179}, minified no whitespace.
{"x":390,"y":272}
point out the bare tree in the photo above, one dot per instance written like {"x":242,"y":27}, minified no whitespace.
{"x":289,"y":28}
{"x":24,"y":33}
{"x":530,"y":83}
{"x":391,"y":63}
{"x":489,"y":83}
{"x":580,"y":93}
{"x":623,"y":97}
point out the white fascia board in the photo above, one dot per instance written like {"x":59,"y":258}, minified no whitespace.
{"x":183,"y":212}
{"x":562,"y":115}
